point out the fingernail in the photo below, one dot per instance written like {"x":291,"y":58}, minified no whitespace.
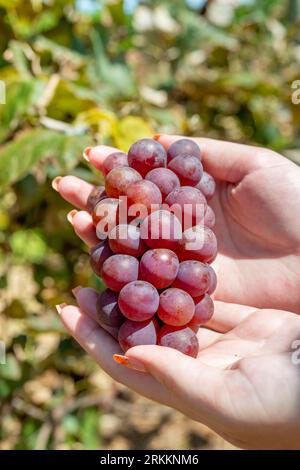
{"x":156,"y":136}
{"x":76,"y":290}
{"x":60,"y":307}
{"x":130,"y":363}
{"x":70,"y":216}
{"x":86,"y":153}
{"x":55,"y":183}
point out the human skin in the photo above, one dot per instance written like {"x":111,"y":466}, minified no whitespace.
{"x":243,"y":384}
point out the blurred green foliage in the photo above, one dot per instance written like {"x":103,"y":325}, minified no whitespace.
{"x":74,"y":77}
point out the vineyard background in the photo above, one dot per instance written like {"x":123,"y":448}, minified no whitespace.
{"x":81,"y":72}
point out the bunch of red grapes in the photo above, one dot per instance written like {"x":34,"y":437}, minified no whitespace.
{"x":155,"y":261}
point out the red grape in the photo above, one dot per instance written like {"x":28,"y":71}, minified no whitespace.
{"x":176,"y":307}
{"x":114,"y":160}
{"x":98,"y":255}
{"x":207,"y":185}
{"x":138,"y":300}
{"x":105,"y":216}
{"x":188,"y":169}
{"x":118,"y":180}
{"x":199,"y":243}
{"x":209,"y":218}
{"x":144,"y":192}
{"x":204,"y":309}
{"x":183,"y":339}
{"x":193,"y":277}
{"x":165,"y":180}
{"x":188,"y":204}
{"x":96,"y":195}
{"x":139,"y":333}
{"x":183,"y":147}
{"x":213,"y":281}
{"x":108,"y":311}
{"x":119,"y":270}
{"x":161,"y":229}
{"x":126,"y":239}
{"x":159,"y":267}
{"x":145,"y":155}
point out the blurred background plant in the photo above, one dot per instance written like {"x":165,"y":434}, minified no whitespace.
{"x":87,"y":71}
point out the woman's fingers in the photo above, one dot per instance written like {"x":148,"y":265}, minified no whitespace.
{"x":228,"y":316}
{"x":96,"y":155}
{"x":73,"y":189}
{"x":228,"y":161}
{"x":83,"y":227}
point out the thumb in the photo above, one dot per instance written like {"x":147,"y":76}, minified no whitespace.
{"x":228,"y":161}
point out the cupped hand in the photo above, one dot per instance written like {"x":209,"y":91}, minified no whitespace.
{"x":245,"y":383}
{"x":257,"y":206}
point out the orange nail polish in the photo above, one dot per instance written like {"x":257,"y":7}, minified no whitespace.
{"x":86,"y":153}
{"x":55,"y":183}
{"x":71,"y":215}
{"x":76,"y":290}
{"x":60,"y":307}
{"x":130,"y":363}
{"x":156,"y":136}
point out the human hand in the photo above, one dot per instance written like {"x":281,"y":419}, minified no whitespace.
{"x":244,"y":383}
{"x":257,"y":206}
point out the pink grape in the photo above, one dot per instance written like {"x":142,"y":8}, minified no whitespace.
{"x":193,"y":277}
{"x":98,"y":255}
{"x":199,"y":243}
{"x":204,"y":309}
{"x":108,"y":312}
{"x":159,"y":267}
{"x":209,"y":218}
{"x":96,"y":195}
{"x":165,"y":180}
{"x":114,"y":160}
{"x":145,"y":155}
{"x":105,"y":216}
{"x":119,"y":270}
{"x":126,"y":239}
{"x":176,"y":307}
{"x":161,"y":229}
{"x":138,"y":301}
{"x":191,"y":203}
{"x":144,"y":192}
{"x":139,"y":333}
{"x":118,"y":180}
{"x":188,"y":169}
{"x":207,"y":185}
{"x":213,"y":281}
{"x":181,"y":338}
{"x":183,"y":147}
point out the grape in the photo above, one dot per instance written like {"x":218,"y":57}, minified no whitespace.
{"x":126,"y":239}
{"x":188,"y":169}
{"x":105,"y":216}
{"x":118,"y":270}
{"x":98,"y":255}
{"x":189,"y":205}
{"x":108,"y":312}
{"x":209,"y":218}
{"x":96,"y":195}
{"x":114,"y":160}
{"x":145,"y":155}
{"x":138,"y":301}
{"x":207,"y":185}
{"x":176,"y":307}
{"x":165,"y":180}
{"x":159,"y":267}
{"x":213,"y":280}
{"x":139,"y":333}
{"x":118,"y":180}
{"x":144,"y":192}
{"x":204,"y":309}
{"x":183,"y":147}
{"x":161,"y":229}
{"x":193,"y":277}
{"x":183,"y":339}
{"x":199,"y":243}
